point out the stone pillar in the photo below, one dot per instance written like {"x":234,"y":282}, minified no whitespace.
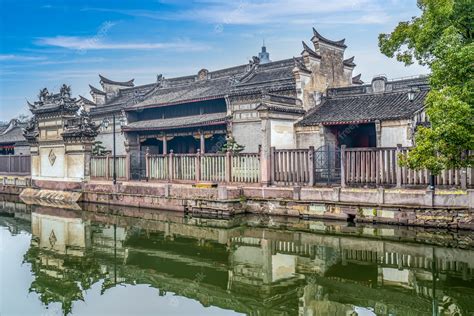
{"x":265,"y":153}
{"x":343,"y":166}
{"x":197,"y":166}
{"x":132,"y":147}
{"x":398,"y":168}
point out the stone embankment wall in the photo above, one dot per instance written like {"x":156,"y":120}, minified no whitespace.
{"x":447,"y":209}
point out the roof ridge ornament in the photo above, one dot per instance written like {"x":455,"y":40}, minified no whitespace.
{"x":86,"y":100}
{"x":203,"y":74}
{"x":128,"y":83}
{"x":357,"y":80}
{"x":323,"y":39}
{"x":254,"y":61}
{"x":301,"y":66}
{"x":94,"y":90}
{"x":349,"y":62}
{"x":308,"y":50}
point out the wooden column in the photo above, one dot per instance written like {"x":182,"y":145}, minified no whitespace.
{"x":165,"y":144}
{"x":203,"y":143}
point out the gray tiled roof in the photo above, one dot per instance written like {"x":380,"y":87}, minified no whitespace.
{"x":197,"y":90}
{"x":178,"y":122}
{"x":13,"y":135}
{"x":235,"y":80}
{"x":365,"y":108}
{"x":126,"y":97}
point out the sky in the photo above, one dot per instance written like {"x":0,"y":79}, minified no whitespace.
{"x":48,"y":43}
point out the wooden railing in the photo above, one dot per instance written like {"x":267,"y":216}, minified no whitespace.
{"x":157,"y":167}
{"x":369,"y":165}
{"x":292,"y":166}
{"x":213,"y":167}
{"x":15,"y":164}
{"x":184,"y":167}
{"x":358,"y":167}
{"x":204,"y":167}
{"x":246,"y":168}
{"x":102,"y":167}
{"x":380,"y":166}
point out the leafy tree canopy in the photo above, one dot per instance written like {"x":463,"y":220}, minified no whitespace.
{"x":442,"y":39}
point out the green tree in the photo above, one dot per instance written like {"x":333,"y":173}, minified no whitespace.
{"x":98,"y":149}
{"x":442,"y":39}
{"x":232,"y":146}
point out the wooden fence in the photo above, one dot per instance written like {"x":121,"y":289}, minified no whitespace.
{"x":292,"y":166}
{"x":15,"y":164}
{"x":227,"y":167}
{"x":379,"y":166}
{"x":102,"y":167}
{"x":246,"y":168}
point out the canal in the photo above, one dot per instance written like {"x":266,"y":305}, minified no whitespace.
{"x":95,"y":260}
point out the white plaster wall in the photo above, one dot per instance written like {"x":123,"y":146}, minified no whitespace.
{"x":75,"y":166}
{"x":107,"y":141}
{"x":57,"y":169}
{"x":309,"y":137}
{"x":248,"y":134}
{"x":393,"y":133}
{"x":22,"y":150}
{"x":282,"y":134}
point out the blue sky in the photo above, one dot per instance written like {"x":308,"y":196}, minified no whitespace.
{"x":48,"y":43}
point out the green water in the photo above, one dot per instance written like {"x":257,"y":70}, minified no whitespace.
{"x":125,"y":261}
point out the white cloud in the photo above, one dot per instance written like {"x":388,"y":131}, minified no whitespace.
{"x":246,"y":12}
{"x":92,"y":43}
{"x":12,"y":57}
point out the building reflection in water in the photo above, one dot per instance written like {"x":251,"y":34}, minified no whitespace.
{"x":251,"y":264}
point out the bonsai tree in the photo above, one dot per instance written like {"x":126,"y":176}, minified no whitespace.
{"x":99,"y":149}
{"x":232,"y":146}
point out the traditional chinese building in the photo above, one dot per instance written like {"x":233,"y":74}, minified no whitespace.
{"x":256,"y":103}
{"x":380,"y":114}
{"x":12,"y":141}
{"x":60,"y":135}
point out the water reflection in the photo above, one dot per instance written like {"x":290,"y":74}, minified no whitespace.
{"x":254,"y":265}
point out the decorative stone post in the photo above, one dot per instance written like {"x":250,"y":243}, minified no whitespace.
{"x":61,"y":135}
{"x":265,"y":153}
{"x":398,"y":168}
{"x":343,"y":166}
